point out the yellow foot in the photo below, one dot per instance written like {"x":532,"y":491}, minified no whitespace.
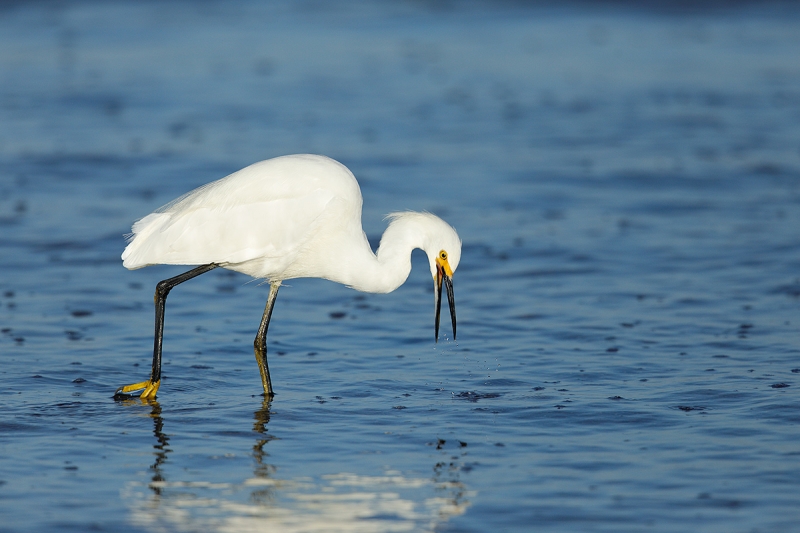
{"x":148,"y":389}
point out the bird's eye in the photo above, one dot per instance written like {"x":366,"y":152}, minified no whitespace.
{"x":443,"y":254}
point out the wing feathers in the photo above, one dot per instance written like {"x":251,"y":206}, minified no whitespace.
{"x":234,"y":234}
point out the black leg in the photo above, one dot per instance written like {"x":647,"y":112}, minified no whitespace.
{"x":260,"y":343}
{"x":162,"y":290}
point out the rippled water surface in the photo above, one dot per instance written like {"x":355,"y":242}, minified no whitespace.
{"x":627,"y":186}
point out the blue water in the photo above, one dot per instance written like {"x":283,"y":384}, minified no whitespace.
{"x":626,"y":182}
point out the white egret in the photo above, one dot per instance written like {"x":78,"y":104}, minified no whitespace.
{"x":290,"y":217}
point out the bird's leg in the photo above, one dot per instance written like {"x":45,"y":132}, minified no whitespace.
{"x":150,"y":387}
{"x":260,"y":344}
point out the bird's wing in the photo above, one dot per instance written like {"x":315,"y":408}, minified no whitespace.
{"x":274,"y":229}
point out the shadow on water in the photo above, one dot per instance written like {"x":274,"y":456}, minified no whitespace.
{"x":340,"y":501}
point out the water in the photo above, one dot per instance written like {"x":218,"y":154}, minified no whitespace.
{"x":627,"y":186}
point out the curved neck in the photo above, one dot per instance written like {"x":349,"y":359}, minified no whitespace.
{"x":389,"y":268}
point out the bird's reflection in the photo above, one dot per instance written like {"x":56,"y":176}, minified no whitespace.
{"x":338,"y":501}
{"x":161,"y":446}
{"x":262,"y":470}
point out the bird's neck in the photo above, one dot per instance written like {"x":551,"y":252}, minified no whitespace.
{"x":389,"y":268}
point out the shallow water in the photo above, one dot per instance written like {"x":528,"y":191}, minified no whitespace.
{"x":627,"y":187}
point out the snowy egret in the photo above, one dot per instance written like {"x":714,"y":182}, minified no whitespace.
{"x":290,"y":217}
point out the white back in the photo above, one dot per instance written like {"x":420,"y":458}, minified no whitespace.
{"x":265,"y":213}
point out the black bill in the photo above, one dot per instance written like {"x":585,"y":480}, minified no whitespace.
{"x":443,"y":279}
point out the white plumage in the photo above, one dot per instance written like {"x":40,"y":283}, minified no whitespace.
{"x":289,"y":217}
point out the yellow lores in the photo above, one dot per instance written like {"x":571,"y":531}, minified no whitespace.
{"x":442,"y":262}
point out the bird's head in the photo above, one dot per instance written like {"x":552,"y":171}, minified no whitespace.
{"x":443,"y":248}
{"x":440,"y":242}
